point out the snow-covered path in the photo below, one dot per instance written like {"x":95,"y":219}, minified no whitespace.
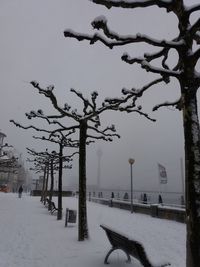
{"x":30,"y":237}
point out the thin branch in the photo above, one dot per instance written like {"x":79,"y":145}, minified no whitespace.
{"x":177,"y":104}
{"x":134,"y":4}
{"x":85,"y":101}
{"x":136,"y":110}
{"x":63,"y":128}
{"x":67,"y":142}
{"x":101,"y":23}
{"x":102,"y":137}
{"x":155,"y":55}
{"x":122,"y":40}
{"x":48,"y":93}
{"x":71,"y":156}
{"x":139,"y":92}
{"x":149,"y":68}
{"x":29,"y":127}
{"x":103,"y":132}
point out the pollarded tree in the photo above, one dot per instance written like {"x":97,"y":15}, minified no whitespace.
{"x":54,"y":162}
{"x":59,"y":158}
{"x":40,"y":165}
{"x":187,"y":46}
{"x":86,"y":121}
{"x":55,"y":136}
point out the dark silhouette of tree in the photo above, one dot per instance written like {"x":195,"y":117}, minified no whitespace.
{"x":87,"y":121}
{"x":41,"y":162}
{"x":59,"y":158}
{"x":55,"y":136}
{"x":52,"y":162}
{"x":186,"y":44}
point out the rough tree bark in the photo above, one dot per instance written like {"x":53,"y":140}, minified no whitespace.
{"x":192,"y":180}
{"x":83,"y":227}
{"x":51,"y":185}
{"x":186,"y":44}
{"x":189,"y":83}
{"x":59,"y":213}
{"x":46,"y":184}
{"x":43,"y":184}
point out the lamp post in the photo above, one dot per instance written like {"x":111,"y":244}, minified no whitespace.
{"x":131,"y":162}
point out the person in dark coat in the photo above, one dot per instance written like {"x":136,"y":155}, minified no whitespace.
{"x":20,"y":191}
{"x":145,"y":198}
{"x":160,"y":201}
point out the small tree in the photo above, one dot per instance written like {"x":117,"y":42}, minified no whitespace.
{"x":44,"y":161}
{"x":59,"y":158}
{"x":41,"y":164}
{"x":186,"y":44}
{"x":55,"y":136}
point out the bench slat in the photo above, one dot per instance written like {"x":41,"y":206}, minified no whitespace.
{"x":129,"y":246}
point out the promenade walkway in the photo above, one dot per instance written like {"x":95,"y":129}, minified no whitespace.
{"x":31,"y":237}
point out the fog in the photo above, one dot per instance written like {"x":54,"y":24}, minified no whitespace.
{"x":33,"y":47}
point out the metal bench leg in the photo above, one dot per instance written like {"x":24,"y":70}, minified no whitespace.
{"x":52,"y":210}
{"x":111,"y":250}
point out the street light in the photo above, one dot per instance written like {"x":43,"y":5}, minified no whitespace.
{"x":131,"y":162}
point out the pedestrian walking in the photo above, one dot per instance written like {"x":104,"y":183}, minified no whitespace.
{"x":20,"y":191}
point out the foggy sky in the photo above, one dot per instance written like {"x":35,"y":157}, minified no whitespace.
{"x":33,"y":47}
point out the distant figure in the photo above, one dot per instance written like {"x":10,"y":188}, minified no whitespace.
{"x":145,"y":198}
{"x":160,"y":200}
{"x":20,"y":191}
{"x":126,"y":197}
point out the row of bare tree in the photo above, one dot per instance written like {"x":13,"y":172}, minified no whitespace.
{"x":186,"y":44}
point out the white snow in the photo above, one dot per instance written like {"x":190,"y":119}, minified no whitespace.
{"x":31,"y":237}
{"x":100,"y":18}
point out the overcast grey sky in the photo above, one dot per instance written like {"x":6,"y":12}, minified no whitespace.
{"x":33,"y":47}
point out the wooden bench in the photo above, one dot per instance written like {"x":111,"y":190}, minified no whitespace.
{"x":50,"y":205}
{"x":53,"y":207}
{"x":47,"y":201}
{"x":130,"y":247}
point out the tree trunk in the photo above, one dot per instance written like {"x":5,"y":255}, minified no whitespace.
{"x":82,"y":208}
{"x":43,"y":184}
{"x":46,"y":184}
{"x":192,"y":177}
{"x":59,"y":213}
{"x":51,"y":185}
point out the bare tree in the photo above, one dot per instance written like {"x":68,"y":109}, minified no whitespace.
{"x":59,"y":158}
{"x":87,"y":121}
{"x":55,"y":136}
{"x":41,"y":162}
{"x":186,"y":44}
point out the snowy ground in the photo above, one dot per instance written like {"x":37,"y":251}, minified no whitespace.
{"x":31,"y":237}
